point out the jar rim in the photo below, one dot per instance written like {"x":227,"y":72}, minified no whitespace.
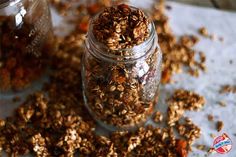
{"x":97,"y":46}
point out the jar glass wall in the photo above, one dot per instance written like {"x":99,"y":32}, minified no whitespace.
{"x":121,"y":91}
{"x":25,"y":42}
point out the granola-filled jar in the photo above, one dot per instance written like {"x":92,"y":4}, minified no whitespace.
{"x":121,"y":68}
{"x":25,"y":42}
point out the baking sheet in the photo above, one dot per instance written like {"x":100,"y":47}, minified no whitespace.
{"x":186,"y":19}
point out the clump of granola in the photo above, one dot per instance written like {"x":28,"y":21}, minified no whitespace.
{"x":188,"y":130}
{"x":183,"y":100}
{"x":121,"y":27}
{"x":39,"y":145}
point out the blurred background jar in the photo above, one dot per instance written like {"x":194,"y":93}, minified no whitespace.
{"x":25,"y":42}
{"x":121,"y":92}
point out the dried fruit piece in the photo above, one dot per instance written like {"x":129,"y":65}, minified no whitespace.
{"x":219,"y":125}
{"x":182,"y":148}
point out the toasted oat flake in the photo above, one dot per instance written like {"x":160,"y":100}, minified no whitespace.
{"x":201,"y":147}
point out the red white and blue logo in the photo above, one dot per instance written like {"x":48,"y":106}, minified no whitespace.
{"x":222,"y":144}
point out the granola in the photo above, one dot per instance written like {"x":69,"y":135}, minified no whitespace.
{"x":121,"y":27}
{"x":121,"y":91}
{"x":183,"y":100}
{"x":178,"y":55}
{"x":48,"y":124}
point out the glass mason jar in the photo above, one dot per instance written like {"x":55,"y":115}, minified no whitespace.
{"x":25,"y":42}
{"x":121,"y":92}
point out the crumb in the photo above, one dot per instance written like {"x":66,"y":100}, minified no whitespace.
{"x":222,"y":103}
{"x":201,"y":147}
{"x":212,"y":37}
{"x":210,"y":117}
{"x":158,"y":117}
{"x":212,"y":135}
{"x":203,"y":31}
{"x":221,"y":39}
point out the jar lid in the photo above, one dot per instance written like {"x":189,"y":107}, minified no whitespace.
{"x":4,"y":3}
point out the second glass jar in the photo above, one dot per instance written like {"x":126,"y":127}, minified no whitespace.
{"x":121,"y":92}
{"x":26,"y":40}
